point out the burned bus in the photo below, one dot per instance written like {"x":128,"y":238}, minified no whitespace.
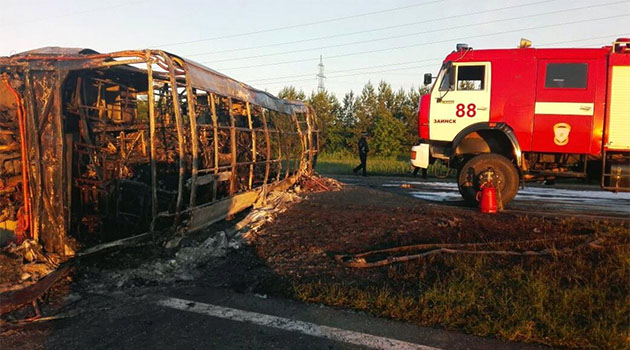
{"x":94,"y":146}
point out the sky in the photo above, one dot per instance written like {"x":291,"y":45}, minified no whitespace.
{"x":272,"y":44}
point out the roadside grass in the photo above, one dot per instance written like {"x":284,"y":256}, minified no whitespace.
{"x":575,"y":300}
{"x":343,"y":163}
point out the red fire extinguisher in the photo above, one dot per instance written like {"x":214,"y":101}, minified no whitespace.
{"x":487,"y":196}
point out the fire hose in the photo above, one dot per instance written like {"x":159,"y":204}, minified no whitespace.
{"x":383,"y":257}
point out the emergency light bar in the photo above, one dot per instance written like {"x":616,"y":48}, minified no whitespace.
{"x":461,"y":46}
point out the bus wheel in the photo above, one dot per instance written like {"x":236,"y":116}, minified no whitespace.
{"x":505,"y":177}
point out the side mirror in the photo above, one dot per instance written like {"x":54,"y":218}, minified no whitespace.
{"x":428,"y":79}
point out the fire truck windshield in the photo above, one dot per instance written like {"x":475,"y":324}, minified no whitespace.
{"x":446,"y":79}
{"x":438,"y":78}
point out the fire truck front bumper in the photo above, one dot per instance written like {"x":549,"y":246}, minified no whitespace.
{"x":420,"y":155}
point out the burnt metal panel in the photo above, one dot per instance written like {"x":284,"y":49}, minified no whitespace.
{"x":210,"y":80}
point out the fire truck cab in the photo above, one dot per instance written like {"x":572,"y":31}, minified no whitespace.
{"x":529,"y":114}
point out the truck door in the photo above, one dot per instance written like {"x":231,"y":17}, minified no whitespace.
{"x":563,"y":115}
{"x":461,"y":97}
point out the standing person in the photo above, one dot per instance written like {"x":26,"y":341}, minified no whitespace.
{"x":363,"y":151}
{"x":424,"y":172}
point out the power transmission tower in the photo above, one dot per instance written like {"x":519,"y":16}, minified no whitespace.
{"x":321,"y":76}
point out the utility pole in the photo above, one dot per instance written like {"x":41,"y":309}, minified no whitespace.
{"x":321,"y":76}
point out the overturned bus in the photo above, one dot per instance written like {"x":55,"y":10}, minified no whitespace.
{"x":97,"y":146}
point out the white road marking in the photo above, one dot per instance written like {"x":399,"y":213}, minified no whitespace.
{"x":312,"y":329}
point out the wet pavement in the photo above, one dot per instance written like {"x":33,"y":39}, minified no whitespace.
{"x":572,"y":200}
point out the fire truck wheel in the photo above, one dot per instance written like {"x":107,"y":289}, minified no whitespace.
{"x":505,"y":177}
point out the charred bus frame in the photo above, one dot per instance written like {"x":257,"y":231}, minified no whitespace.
{"x":133,"y":140}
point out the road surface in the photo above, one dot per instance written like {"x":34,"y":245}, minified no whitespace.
{"x":586,"y":201}
{"x":194,"y":316}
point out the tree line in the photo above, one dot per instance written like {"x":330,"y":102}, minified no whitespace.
{"x":389,"y":117}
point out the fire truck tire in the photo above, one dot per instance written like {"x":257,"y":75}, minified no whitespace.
{"x":505,"y":178}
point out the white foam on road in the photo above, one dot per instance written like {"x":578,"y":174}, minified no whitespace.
{"x":437,"y":196}
{"x":441,"y":185}
{"x":580,"y":195}
{"x":438,"y":191}
{"x":448,"y":192}
{"x":307,"y":328}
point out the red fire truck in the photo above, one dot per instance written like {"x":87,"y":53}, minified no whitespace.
{"x":527,"y":114}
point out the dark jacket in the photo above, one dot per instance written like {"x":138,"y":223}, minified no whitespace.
{"x":363,"y":146}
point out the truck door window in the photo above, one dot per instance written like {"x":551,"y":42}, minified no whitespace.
{"x":566,"y":76}
{"x":448,"y":80}
{"x":471,"y":77}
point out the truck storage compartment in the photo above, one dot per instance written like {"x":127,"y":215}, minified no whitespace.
{"x":616,"y":175}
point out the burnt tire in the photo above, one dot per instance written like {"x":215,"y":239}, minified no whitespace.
{"x":505,"y":178}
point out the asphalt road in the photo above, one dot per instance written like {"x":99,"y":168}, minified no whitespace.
{"x":197,"y":317}
{"x":568,"y":200}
